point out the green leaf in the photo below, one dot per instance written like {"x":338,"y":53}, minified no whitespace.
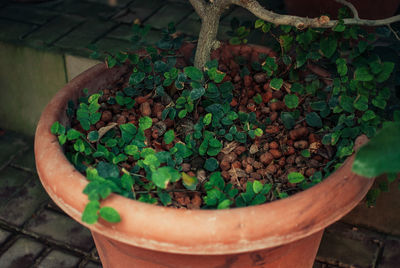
{"x":291,"y":101}
{"x":368,"y":115}
{"x":306,"y":153}
{"x":340,"y":27}
{"x":211,"y":164}
{"x":73,"y":134}
{"x":93,"y":136}
{"x":258,"y":132}
{"x":257,"y":187}
{"x":128,"y":132}
{"x":90,"y":213}
{"x":145,"y":122}
{"x":136,"y":78}
{"x":119,"y":158}
{"x":182,"y":113}
{"x":163,"y":175}
{"x":379,"y":102}
{"x":207,"y":119}
{"x":341,"y":66}
{"x":224,"y":204}
{"x":131,"y":150}
{"x":127,"y":182}
{"x":259,"y":23}
{"x":288,"y":120}
{"x":57,"y":128}
{"x":313,"y":120}
{"x":328,"y":46}
{"x":387,"y":68}
{"x":189,"y":182}
{"x":197,"y":93}
{"x":276,"y":83}
{"x":295,"y":177}
{"x":193,"y":73}
{"x":169,"y":136}
{"x":107,"y":170}
{"x":362,"y":74}
{"x":361,"y":103}
{"x":381,"y":154}
{"x":110,"y":214}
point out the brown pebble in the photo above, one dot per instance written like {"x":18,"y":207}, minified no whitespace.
{"x":271,"y":168}
{"x":273,"y":145}
{"x":230,"y":158}
{"x":253,"y":149}
{"x":185,"y":167}
{"x":277,"y":94}
{"x":266,"y":146}
{"x":289,"y":150}
{"x":255,"y":176}
{"x":100,"y":124}
{"x":282,"y":161}
{"x":276,"y":153}
{"x":272,"y":129}
{"x":236,"y":164}
{"x":248,"y":169}
{"x":298,"y":133}
{"x":266,"y":97}
{"x":139,"y":100}
{"x":301,"y":144}
{"x":145,"y":109}
{"x":106,"y":116}
{"x":291,"y":159}
{"x":266,"y":158}
{"x":310,"y":171}
{"x":121,"y":120}
{"x":260,"y":78}
{"x":276,"y":106}
{"x":225,"y":174}
{"x":239,"y":150}
{"x":273,"y":116}
{"x":247,"y":80}
{"x":257,"y":165}
{"x":224,"y":165}
{"x":195,"y":202}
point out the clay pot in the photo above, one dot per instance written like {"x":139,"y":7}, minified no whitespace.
{"x":367,"y":9}
{"x":284,"y":233}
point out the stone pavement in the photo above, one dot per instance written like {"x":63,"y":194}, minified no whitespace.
{"x":35,"y":233}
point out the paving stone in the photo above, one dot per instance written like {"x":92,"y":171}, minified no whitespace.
{"x":124,"y":32}
{"x":113,"y":45}
{"x":14,"y":31}
{"x":59,"y":259}
{"x":174,"y":12}
{"x":190,"y":25}
{"x":323,"y":265}
{"x":342,"y":245}
{"x":85,"y":34}
{"x":21,"y":254}
{"x":27,"y":14}
{"x":4,"y":235}
{"x":138,"y":10}
{"x":384,"y":216}
{"x":61,"y":228}
{"x":23,"y":205}
{"x":86,"y":9}
{"x":118,"y":3}
{"x":11,"y":180}
{"x":391,"y":254}
{"x":93,"y":265}
{"x":53,"y":30}
{"x":26,"y":159}
{"x":10,"y":146}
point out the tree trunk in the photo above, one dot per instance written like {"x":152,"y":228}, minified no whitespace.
{"x":207,"y":37}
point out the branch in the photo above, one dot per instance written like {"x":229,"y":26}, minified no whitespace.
{"x":350,"y":6}
{"x":301,"y":22}
{"x":199,"y":6}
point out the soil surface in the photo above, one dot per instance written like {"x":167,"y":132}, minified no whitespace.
{"x":268,"y":159}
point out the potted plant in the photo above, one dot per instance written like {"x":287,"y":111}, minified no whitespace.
{"x":243,"y":126}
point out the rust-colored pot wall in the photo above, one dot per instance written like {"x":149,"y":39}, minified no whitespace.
{"x":367,"y":9}
{"x":285,"y":233}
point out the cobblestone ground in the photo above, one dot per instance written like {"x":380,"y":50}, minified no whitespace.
{"x":34,"y":232}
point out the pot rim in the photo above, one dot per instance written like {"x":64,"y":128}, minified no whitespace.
{"x":206,"y":232}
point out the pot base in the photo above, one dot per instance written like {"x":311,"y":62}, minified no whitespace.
{"x":299,"y":254}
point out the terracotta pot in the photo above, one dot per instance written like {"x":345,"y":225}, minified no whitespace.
{"x":367,"y":9}
{"x":284,"y":233}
